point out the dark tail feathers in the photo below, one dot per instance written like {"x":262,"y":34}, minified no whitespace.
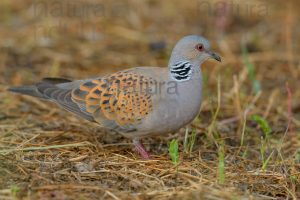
{"x":27,"y":90}
{"x":56,"y":90}
{"x":32,"y":90}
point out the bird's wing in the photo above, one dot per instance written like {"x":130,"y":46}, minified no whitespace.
{"x":118,"y":101}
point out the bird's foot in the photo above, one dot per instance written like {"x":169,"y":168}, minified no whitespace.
{"x":141,"y":149}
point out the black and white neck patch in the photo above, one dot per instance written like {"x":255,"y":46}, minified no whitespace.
{"x":181,"y":71}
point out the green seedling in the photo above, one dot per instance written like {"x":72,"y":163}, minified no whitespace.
{"x":173,"y":151}
{"x":293,"y":178}
{"x":263,"y":124}
{"x":263,"y":150}
{"x":192,"y":141}
{"x":189,"y":141}
{"x":221,"y":165}
{"x":265,"y":162}
{"x":14,"y":190}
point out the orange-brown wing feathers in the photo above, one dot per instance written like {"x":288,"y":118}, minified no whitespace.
{"x":121,"y":99}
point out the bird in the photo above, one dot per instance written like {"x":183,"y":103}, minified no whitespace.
{"x":137,"y":102}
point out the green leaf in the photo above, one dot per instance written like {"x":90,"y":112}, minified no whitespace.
{"x":173,"y":151}
{"x":189,"y":141}
{"x":293,"y":178}
{"x":192,"y":141}
{"x":221,"y":165}
{"x":14,"y":190}
{"x":265,"y":162}
{"x":263,"y":124}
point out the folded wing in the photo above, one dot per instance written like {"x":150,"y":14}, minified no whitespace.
{"x":119,"y":101}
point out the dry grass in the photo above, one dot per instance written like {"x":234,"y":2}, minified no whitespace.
{"x":46,"y":153}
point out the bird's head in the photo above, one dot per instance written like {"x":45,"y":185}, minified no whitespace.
{"x":193,"y":48}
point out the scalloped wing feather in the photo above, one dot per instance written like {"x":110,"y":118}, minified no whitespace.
{"x":118,"y":101}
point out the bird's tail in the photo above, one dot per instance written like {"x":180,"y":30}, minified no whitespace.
{"x":30,"y":90}
{"x":33,"y":90}
{"x":56,"y":90}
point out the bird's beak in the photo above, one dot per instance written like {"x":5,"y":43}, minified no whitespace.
{"x":214,"y":55}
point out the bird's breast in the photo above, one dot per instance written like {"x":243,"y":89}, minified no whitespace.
{"x":176,"y":106}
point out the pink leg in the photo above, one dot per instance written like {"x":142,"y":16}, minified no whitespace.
{"x":140,"y":148}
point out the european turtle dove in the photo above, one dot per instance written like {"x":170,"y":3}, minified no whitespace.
{"x":137,"y":102}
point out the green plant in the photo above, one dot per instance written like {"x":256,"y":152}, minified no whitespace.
{"x":192,"y":141}
{"x":293,"y":178}
{"x":263,"y":124}
{"x":14,"y":190}
{"x":189,"y":141}
{"x":221,"y":165}
{"x":173,"y":151}
{"x":263,"y":149}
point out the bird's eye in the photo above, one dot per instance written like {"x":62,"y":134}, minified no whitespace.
{"x":199,"y":47}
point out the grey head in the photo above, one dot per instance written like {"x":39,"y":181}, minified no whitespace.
{"x":188,"y":55}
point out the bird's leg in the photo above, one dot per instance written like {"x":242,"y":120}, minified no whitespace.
{"x":140,"y":148}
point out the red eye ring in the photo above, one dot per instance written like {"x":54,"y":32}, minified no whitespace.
{"x":199,"y":47}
